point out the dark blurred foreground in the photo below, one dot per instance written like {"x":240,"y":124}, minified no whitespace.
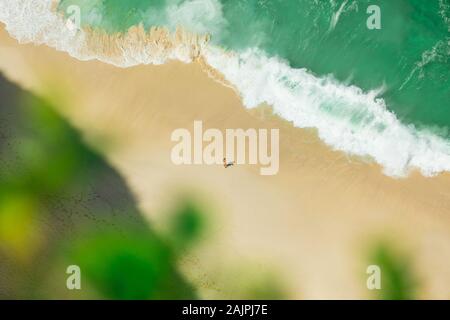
{"x":61,"y":204}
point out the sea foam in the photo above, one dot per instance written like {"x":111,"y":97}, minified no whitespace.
{"x":346,"y":118}
{"x":37,"y":21}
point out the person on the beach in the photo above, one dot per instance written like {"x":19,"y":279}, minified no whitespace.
{"x":229,"y":164}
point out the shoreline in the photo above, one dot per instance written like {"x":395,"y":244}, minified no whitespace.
{"x":310,"y":223}
{"x":411,"y":149}
{"x":156,"y":45}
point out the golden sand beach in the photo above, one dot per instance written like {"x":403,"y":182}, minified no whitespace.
{"x":308,"y":227}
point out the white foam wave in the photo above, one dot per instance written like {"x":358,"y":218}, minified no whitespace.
{"x":36,"y":21}
{"x":347,"y":118}
{"x":336,"y":16}
{"x":198,"y":16}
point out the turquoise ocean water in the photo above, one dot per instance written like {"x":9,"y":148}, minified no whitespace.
{"x":409,"y":56}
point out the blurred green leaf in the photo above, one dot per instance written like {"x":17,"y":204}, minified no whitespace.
{"x":398,"y":279}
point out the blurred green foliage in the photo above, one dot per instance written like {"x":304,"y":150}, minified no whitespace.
{"x":187,"y":224}
{"x":61,"y":204}
{"x":135,"y":266}
{"x":268,"y":287}
{"x":398,"y":281}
